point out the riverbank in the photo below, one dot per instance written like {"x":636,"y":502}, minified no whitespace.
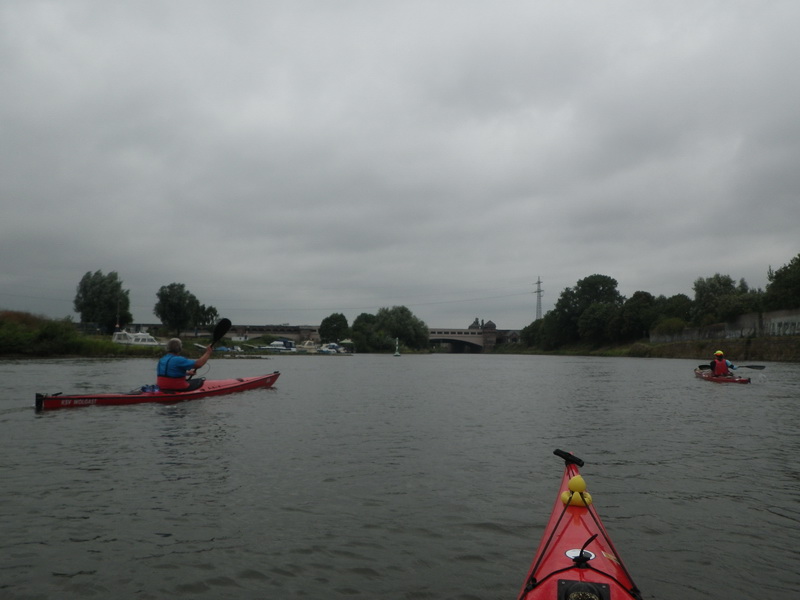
{"x":779,"y":349}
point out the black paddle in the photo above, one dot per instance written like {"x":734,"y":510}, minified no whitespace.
{"x":568,"y":458}
{"x":220,"y":330}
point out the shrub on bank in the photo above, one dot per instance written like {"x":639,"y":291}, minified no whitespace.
{"x":57,"y":337}
{"x":24,"y":334}
{"x":30,"y":335}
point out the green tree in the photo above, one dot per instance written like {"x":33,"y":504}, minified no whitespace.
{"x":367,"y":337}
{"x":671,"y":315}
{"x":708,"y":293}
{"x":400,"y":322}
{"x":595,"y":322}
{"x":637,"y":316}
{"x":553,"y":331}
{"x":100,"y":299}
{"x":562,"y":326}
{"x":596,"y":289}
{"x":679,"y":306}
{"x":531,"y":335}
{"x":742,"y":302}
{"x":334,"y":328}
{"x":179,"y":309}
{"x":783,"y":289}
{"x":720,"y":298}
{"x":206,"y":316}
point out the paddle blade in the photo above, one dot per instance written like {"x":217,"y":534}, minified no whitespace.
{"x":220,"y":330}
{"x":568,"y":458}
{"x":757,"y":367}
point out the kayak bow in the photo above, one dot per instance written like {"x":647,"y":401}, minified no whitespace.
{"x":209,"y":387}
{"x":576,"y":559}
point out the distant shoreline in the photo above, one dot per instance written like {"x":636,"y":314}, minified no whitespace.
{"x":777,"y":349}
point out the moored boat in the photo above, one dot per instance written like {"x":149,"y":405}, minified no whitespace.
{"x":206,"y":388}
{"x":576,"y":558}
{"x":331,"y":348}
{"x":134,"y":339}
{"x":709,"y":376}
{"x":308,"y":346}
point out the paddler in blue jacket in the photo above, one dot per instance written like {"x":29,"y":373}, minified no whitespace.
{"x":173,"y":368}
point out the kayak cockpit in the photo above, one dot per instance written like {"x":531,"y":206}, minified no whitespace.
{"x":583,"y":590}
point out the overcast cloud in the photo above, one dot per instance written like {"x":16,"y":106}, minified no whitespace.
{"x":289,"y":160}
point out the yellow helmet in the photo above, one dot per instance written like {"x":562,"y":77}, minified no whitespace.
{"x":718,"y":353}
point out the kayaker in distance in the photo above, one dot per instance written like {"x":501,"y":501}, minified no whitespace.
{"x":721,"y":366}
{"x":173,"y":368}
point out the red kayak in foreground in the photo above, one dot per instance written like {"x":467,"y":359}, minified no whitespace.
{"x":576,"y":559}
{"x":709,"y":376}
{"x":211,"y":387}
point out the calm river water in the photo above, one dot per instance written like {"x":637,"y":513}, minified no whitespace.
{"x":418,"y":477}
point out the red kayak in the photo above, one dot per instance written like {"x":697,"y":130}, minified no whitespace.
{"x":576,"y":559}
{"x":202,"y":389}
{"x":709,"y":376}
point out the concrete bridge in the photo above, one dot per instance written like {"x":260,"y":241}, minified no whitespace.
{"x":463,"y":340}
{"x":478,"y":337}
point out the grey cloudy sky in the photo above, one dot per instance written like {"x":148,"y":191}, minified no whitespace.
{"x":288,"y":160}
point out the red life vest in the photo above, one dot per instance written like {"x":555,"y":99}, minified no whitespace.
{"x":173,"y":378}
{"x":171,"y":383}
{"x":721,"y":367}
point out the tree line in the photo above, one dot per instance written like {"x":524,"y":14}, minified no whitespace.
{"x":101,"y":300}
{"x":593,"y":312}
{"x":379,"y":332}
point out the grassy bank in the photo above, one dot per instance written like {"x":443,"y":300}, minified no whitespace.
{"x":780,"y":349}
{"x":23,"y":335}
